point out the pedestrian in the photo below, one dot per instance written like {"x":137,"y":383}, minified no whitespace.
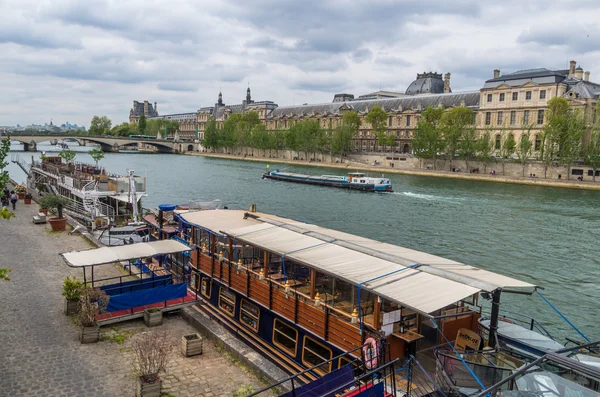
{"x":6,"y":193}
{"x":4,"y":201}
{"x":13,"y":199}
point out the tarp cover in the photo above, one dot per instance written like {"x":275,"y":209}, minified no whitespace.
{"x":104,"y":255}
{"x":146,"y":297}
{"x":326,"y":384}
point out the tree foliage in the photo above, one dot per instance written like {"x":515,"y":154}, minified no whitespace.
{"x":453,"y":123}
{"x":211,"y":136}
{"x":100,"y":125}
{"x":67,"y":155}
{"x":377,"y":117}
{"x":4,"y":149}
{"x":524,"y":148}
{"x":593,"y":150}
{"x":142,"y":124}
{"x":428,"y":140}
{"x":123,"y":129}
{"x":97,"y":154}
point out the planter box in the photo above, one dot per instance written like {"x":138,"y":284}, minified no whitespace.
{"x":27,"y":200}
{"x":21,"y":196}
{"x":152,"y":319}
{"x":58,"y":224}
{"x":191,"y":345}
{"x":44,"y":211}
{"x":144,"y":389}
{"x":89,"y":334}
{"x":71,"y":307}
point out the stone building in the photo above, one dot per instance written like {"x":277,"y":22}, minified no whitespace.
{"x":140,"y":108}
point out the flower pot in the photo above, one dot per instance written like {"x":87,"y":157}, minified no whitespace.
{"x":153,"y":318}
{"x":58,"y":224}
{"x":71,"y":307}
{"x":147,"y":389}
{"x":27,"y":200}
{"x":191,"y":345}
{"x":89,"y":334}
{"x":44,"y":211}
{"x":21,"y":196}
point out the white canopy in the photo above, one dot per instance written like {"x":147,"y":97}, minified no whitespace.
{"x":100,"y":256}
{"x":217,"y":220}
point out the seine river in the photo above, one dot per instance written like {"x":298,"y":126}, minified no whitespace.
{"x":546,"y":236}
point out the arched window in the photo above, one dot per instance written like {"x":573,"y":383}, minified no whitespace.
{"x":406,"y":148}
{"x":498,"y":142}
{"x":538,"y":142}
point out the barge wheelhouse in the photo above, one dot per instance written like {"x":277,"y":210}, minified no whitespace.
{"x":302,"y":294}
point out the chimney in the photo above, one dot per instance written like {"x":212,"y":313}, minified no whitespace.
{"x":586,"y":76}
{"x":155,"y":109}
{"x":572,"y":65}
{"x":496,"y":73}
{"x":579,"y":73}
{"x":447,"y":83}
{"x":145,"y":108}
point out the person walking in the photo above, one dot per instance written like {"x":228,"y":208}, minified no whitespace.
{"x":13,"y":199}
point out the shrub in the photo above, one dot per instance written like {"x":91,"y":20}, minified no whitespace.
{"x":92,"y":301}
{"x":20,"y":189}
{"x":71,"y":288}
{"x":52,"y":201}
{"x":151,"y":352}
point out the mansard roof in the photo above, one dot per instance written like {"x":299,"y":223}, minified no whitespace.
{"x":468,"y":98}
{"x":520,"y":77}
{"x":584,"y":89}
{"x":138,"y":109}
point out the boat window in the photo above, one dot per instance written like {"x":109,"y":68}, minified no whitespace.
{"x":227,"y":301}
{"x":345,"y":360}
{"x":285,"y":337}
{"x":315,"y":353}
{"x":205,"y":287}
{"x":249,"y":315}
{"x":362,"y":181}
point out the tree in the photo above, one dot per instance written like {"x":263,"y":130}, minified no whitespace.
{"x":427,"y":141}
{"x":100,"y":126}
{"x":593,"y":149}
{"x":67,"y":155}
{"x":546,"y":152}
{"x":4,"y":149}
{"x":453,"y":122}
{"x":211,"y":136}
{"x":377,"y":117}
{"x":508,"y":148}
{"x":524,"y":148}
{"x":124,"y":129}
{"x":468,"y":145}
{"x":97,"y":155}
{"x":485,"y":147}
{"x":142,"y":124}
{"x":341,"y":140}
{"x":352,"y":120}
{"x":279,"y":140}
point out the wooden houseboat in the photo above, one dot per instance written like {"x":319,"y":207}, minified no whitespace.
{"x":303,"y":294}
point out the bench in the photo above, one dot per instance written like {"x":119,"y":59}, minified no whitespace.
{"x":39,"y":218}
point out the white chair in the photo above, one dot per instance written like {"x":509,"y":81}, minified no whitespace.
{"x":39,"y":218}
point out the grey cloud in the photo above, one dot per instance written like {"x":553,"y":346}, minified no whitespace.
{"x":322,"y":84}
{"x":583,"y":39}
{"x":361,"y":55}
{"x":178,"y":86}
{"x":390,"y":60}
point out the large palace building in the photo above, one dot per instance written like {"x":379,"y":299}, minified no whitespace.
{"x":506,"y":104}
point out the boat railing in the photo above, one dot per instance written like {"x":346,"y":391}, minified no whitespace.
{"x":523,"y":320}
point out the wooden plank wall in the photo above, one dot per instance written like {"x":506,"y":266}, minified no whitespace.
{"x":311,"y":318}
{"x":259,"y":291}
{"x":343,"y":334}
{"x":239,"y":282}
{"x":205,"y":263}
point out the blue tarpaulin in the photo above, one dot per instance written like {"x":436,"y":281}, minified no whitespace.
{"x":137,"y":285}
{"x":146,"y":297}
{"x":324,"y":384}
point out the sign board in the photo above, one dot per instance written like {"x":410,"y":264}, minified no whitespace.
{"x":467,"y":340}
{"x":69,"y":181}
{"x":392,"y":317}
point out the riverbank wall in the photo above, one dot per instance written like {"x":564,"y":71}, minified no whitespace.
{"x":509,"y":172}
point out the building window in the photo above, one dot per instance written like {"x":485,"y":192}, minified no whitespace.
{"x":227,"y":301}
{"x":249,"y":315}
{"x":515,"y":96}
{"x":497,"y":145}
{"x":489,"y":98}
{"x":285,"y":337}
{"x":526,"y":117}
{"x":407,"y":133}
{"x":538,"y":143}
{"x":330,"y":123}
{"x":513,"y":117}
{"x":205,"y":287}
{"x":408,"y":121}
{"x":527,"y":95}
{"x":502,"y":97}
{"x":314,"y":354}
{"x":390,"y":121}
{"x":488,"y":118}
{"x":474,"y":118}
{"x":540,"y":119}
{"x":543,"y":94}
{"x":500,"y":117}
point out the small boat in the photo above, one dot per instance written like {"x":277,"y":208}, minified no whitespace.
{"x":354,"y":180}
{"x":134,"y":232}
{"x":61,"y":145}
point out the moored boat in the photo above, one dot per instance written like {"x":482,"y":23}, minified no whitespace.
{"x":354,"y":180}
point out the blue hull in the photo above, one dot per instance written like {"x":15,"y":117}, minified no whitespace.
{"x":330,"y":183}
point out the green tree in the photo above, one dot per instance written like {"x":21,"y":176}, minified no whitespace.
{"x":4,"y":149}
{"x":100,"y":125}
{"x":524,"y":148}
{"x":427,"y":141}
{"x":211,"y":135}
{"x":279,"y":140}
{"x":546,"y":152}
{"x":67,"y":155}
{"x":468,"y":145}
{"x":229,"y":132}
{"x":142,"y":124}
{"x":593,"y":150}
{"x":123,"y":129}
{"x":453,"y":122}
{"x":508,"y":148}
{"x":97,"y":154}
{"x":352,"y":120}
{"x":377,"y":117}
{"x":341,"y":140}
{"x":485,"y":147}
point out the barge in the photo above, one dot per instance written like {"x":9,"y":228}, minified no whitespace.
{"x":354,"y":180}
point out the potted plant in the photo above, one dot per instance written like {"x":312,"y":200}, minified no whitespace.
{"x":92,"y":301}
{"x":21,"y":190}
{"x":27,"y":198}
{"x":151,"y":351}
{"x":71,"y":292}
{"x":52,"y":201}
{"x":191,"y":345}
{"x":153,"y":317}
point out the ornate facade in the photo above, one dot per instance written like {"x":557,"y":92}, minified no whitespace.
{"x":140,"y":108}
{"x":506,"y":104}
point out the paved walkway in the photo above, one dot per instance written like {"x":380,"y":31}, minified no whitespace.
{"x":39,"y":349}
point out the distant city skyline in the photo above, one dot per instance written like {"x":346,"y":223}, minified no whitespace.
{"x":71,"y":60}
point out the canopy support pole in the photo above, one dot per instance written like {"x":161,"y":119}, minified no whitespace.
{"x":494,"y":318}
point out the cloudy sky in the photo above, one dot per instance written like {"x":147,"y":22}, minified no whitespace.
{"x":70,"y":60}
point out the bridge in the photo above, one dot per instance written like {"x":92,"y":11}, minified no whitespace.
{"x":106,"y":142}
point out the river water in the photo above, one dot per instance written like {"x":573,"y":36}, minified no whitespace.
{"x":543,"y":235}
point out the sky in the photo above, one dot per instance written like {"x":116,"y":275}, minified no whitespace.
{"x":69,"y":60}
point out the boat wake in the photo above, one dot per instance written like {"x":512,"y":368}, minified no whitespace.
{"x":428,"y":197}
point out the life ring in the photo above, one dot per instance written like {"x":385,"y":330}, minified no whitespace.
{"x":370,"y":353}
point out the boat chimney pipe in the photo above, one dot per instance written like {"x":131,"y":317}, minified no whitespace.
{"x":494,"y":318}
{"x":252,"y":208}
{"x":160,"y":221}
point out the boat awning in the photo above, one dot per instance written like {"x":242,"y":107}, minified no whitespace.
{"x":217,"y":220}
{"x":126,"y":199}
{"x":100,"y":256}
{"x":423,"y":282}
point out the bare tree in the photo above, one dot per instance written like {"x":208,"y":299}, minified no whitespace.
{"x":152,"y":352}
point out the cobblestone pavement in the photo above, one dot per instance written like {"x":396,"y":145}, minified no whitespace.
{"x":40,"y":354}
